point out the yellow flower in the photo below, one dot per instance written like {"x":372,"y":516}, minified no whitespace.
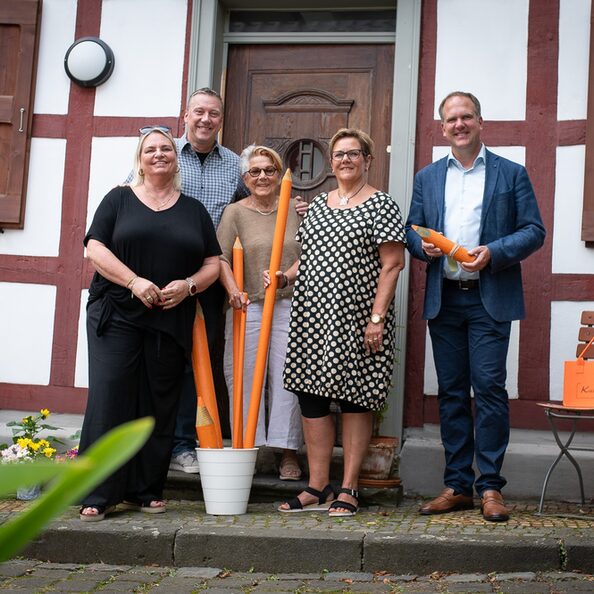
{"x":23,"y":442}
{"x":34,"y":445}
{"x":44,"y":443}
{"x":45,"y":413}
{"x":49,"y":452}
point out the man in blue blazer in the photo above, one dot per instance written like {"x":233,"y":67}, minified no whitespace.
{"x":486,"y":204}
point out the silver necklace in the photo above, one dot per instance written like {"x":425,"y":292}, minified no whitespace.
{"x":344,"y":200}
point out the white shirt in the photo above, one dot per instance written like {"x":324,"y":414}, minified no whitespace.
{"x":464,"y":189}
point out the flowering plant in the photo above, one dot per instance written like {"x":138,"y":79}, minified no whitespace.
{"x":26,"y":443}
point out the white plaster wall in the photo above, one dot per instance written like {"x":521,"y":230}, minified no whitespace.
{"x":41,"y":234}
{"x":147,"y":38}
{"x":517,"y":154}
{"x":27,"y":322}
{"x":111,"y":162}
{"x":58,"y":20}
{"x":565,"y":323}
{"x":81,"y":369}
{"x":570,"y":256}
{"x":574,"y":45}
{"x":482,"y":48}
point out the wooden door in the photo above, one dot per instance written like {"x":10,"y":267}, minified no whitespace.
{"x":293,"y":98}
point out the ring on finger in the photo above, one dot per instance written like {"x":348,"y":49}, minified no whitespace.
{"x":149,"y":299}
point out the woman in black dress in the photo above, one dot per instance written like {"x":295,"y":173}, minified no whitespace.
{"x":153,"y":249}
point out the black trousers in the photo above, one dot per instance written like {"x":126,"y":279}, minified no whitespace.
{"x":211,"y":301}
{"x":133,"y":373}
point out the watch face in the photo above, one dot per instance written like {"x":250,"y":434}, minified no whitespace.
{"x":193,"y":290}
{"x":376,"y":318}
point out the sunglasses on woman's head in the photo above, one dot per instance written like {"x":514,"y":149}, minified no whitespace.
{"x":148,"y":129}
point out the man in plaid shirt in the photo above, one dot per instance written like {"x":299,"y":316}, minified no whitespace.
{"x":210,"y":173}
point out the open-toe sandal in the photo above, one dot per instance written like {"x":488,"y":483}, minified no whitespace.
{"x":337,"y":508}
{"x":146,"y":507}
{"x":295,"y":505}
{"x":289,"y":470}
{"x":102,"y":511}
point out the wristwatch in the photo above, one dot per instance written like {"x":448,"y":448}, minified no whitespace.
{"x":377,"y":318}
{"x":192,"y":288}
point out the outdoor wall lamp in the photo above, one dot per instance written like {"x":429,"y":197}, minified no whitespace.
{"x":89,"y":62}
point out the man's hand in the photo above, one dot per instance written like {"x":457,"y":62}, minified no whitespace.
{"x":483,"y":257}
{"x":431,"y":250}
{"x":301,"y":205}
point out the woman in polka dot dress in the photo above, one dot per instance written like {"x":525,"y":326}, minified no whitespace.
{"x":341,"y":336}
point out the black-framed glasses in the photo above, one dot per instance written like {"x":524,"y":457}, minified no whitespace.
{"x":268,"y":171}
{"x":352,"y":155}
{"x":148,"y":129}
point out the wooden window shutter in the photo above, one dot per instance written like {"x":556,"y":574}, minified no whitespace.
{"x":19,"y":34}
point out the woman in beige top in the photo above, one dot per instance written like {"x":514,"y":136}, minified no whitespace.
{"x":253,"y":220}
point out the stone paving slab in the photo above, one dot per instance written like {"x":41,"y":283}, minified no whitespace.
{"x":380,"y":538}
{"x":64,"y":578}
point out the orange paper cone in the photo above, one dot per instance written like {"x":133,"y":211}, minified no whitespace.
{"x":209,"y":435}
{"x":268,"y":310}
{"x":238,"y":337}
{"x":447,"y":246}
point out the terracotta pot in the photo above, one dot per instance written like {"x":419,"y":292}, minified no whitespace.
{"x":378,"y":462}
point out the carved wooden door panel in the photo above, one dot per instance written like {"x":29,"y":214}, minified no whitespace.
{"x":294,"y":98}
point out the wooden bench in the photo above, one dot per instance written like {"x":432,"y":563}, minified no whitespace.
{"x":556,"y":412}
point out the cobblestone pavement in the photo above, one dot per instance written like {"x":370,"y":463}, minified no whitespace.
{"x":558,"y":518}
{"x":32,"y":577}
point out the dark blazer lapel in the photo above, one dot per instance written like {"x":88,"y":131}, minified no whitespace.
{"x":492,"y":164}
{"x":441,"y":168}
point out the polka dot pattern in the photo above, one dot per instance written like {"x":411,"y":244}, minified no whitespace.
{"x":334,"y":292}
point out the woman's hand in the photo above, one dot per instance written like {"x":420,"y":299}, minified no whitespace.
{"x":174,"y":293}
{"x":282,"y":279}
{"x":238,"y":300}
{"x":147,"y":292}
{"x":374,"y":334}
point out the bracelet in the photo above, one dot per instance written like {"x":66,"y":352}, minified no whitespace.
{"x":130,"y":286}
{"x":286,"y":280}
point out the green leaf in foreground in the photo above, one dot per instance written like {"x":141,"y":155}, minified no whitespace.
{"x":73,"y":481}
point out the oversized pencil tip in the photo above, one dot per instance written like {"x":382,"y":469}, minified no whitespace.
{"x":287,"y":175}
{"x":237,"y":244}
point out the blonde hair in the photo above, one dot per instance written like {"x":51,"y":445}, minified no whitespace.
{"x":252,"y":151}
{"x":138,"y":178}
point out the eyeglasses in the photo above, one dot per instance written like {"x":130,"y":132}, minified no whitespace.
{"x":268,"y":171}
{"x":147,"y":129}
{"x":352,"y":155}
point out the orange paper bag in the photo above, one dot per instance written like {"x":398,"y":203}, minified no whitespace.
{"x":578,"y":382}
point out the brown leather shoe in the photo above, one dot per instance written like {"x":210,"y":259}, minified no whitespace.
{"x":446,"y":502}
{"x":493,"y":508}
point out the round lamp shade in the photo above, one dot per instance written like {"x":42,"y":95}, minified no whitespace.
{"x":89,"y":62}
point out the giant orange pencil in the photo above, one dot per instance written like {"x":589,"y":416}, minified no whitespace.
{"x":208,"y":436}
{"x":239,"y":316}
{"x":447,"y":246}
{"x":268,"y":310}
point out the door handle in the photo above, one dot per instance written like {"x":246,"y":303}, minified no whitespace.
{"x":22,"y":110}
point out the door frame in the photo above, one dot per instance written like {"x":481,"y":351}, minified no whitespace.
{"x":210,"y":41}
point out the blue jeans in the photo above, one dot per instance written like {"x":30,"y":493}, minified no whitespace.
{"x":184,"y":439}
{"x":470,"y":350}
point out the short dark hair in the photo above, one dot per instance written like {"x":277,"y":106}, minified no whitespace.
{"x":206,"y":91}
{"x":363,"y":138}
{"x":475,"y":102}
